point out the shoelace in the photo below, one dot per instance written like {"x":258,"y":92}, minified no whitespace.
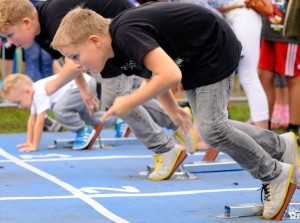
{"x":266,"y":190}
{"x":158,"y":160}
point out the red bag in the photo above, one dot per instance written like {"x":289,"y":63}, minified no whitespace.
{"x":263,"y":7}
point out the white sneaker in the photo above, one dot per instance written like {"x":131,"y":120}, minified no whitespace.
{"x":291,"y":155}
{"x":166,"y":163}
{"x":275,"y":192}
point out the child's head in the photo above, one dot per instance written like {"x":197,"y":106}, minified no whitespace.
{"x":83,"y":36}
{"x":18,"y":89}
{"x":18,"y":22}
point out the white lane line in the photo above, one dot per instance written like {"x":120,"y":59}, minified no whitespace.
{"x":92,"y":158}
{"x":81,"y":158}
{"x":77,"y":193}
{"x":158,"y":194}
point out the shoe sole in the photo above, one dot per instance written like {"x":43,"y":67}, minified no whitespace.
{"x":98,"y":129}
{"x":288,"y":196}
{"x":180,"y":159}
{"x":127,"y":133}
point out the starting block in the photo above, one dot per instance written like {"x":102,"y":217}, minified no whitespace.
{"x":180,"y":174}
{"x":249,"y":210}
{"x":96,"y":142}
{"x":210,"y":163}
{"x":99,"y":143}
{"x":68,"y":144}
{"x":289,"y":210}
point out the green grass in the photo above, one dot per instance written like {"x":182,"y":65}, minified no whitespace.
{"x":14,"y":120}
{"x":239,"y":111}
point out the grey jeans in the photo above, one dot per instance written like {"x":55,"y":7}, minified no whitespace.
{"x":73,"y":114}
{"x":146,"y":121}
{"x":254,"y":148}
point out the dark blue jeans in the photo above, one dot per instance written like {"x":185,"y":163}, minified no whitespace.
{"x":39,"y":63}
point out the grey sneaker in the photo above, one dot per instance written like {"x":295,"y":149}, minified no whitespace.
{"x":291,"y":155}
{"x":187,"y":140}
{"x":166,"y":163}
{"x":52,"y":125}
{"x":276,"y":191}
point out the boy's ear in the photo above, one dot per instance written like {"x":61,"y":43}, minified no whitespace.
{"x":27,"y":21}
{"x":95,"y":40}
{"x":27,"y":90}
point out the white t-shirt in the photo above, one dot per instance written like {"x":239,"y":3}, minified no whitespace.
{"x":42,"y":102}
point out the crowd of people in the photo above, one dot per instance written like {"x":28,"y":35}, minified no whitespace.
{"x":166,"y":43}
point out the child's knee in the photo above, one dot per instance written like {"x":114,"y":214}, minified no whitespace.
{"x":214,"y":134}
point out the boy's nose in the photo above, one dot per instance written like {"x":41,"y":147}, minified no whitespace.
{"x":9,"y":40}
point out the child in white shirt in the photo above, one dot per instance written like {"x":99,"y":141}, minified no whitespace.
{"x":66,"y":104}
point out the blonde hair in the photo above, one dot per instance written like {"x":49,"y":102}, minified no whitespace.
{"x":15,"y":83}
{"x":13,"y":11}
{"x":77,"y":26}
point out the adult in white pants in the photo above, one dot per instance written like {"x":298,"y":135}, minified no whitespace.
{"x":247,"y":24}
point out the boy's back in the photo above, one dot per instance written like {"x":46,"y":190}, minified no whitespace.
{"x":51,"y":12}
{"x":204,"y":52}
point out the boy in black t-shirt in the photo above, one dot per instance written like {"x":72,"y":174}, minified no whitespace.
{"x":21,"y":23}
{"x":188,"y":43}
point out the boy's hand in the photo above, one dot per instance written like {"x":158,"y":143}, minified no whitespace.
{"x":90,"y":100}
{"x":120,"y":106}
{"x":182,"y":119}
{"x":27,"y":147}
{"x":87,"y":95}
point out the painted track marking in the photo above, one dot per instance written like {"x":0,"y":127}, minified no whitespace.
{"x":77,"y":193}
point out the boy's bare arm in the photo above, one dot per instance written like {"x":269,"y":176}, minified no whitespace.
{"x":36,"y":134}
{"x":90,"y":100}
{"x":167,"y":74}
{"x":30,"y":126}
{"x":71,"y":71}
{"x":180,"y":116}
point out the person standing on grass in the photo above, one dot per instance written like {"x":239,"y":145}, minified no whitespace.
{"x":176,"y":42}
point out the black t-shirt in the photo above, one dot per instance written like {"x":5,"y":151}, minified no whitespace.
{"x":202,"y":44}
{"x":51,"y":12}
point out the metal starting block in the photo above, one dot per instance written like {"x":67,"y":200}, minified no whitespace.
{"x":180,"y":174}
{"x":100,"y":143}
{"x":210,"y":163}
{"x":212,"y":166}
{"x":249,"y":210}
{"x":68,"y":143}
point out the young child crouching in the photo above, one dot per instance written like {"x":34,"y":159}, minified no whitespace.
{"x":66,"y":104}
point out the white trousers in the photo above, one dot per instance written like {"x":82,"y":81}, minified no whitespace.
{"x":247,"y":24}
